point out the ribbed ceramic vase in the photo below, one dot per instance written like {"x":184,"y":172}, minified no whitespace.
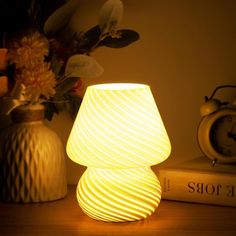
{"x":32,"y":159}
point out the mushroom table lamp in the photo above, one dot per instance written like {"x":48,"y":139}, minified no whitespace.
{"x":118,"y":134}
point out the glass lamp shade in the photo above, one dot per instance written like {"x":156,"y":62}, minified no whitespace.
{"x":118,"y":134}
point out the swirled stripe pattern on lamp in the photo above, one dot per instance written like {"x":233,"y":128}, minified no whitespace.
{"x":118,"y":195}
{"x":118,"y":133}
{"x":118,"y":128}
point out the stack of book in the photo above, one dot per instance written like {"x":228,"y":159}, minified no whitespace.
{"x":199,"y":181}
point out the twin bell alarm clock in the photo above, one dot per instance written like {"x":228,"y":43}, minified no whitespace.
{"x":216,"y":133}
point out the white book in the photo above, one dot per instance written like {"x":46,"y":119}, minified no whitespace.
{"x":199,"y":181}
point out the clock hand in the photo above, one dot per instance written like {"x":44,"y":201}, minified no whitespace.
{"x":232,"y":127}
{"x":232,"y":135}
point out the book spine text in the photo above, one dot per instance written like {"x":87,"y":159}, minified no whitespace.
{"x":200,"y":187}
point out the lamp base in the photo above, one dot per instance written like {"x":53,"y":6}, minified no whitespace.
{"x":118,"y":195}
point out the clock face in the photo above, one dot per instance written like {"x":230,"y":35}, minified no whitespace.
{"x":223,"y":135}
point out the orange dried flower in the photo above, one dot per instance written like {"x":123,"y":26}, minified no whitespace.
{"x":38,"y":80}
{"x":29,"y":51}
{"x":78,"y":88}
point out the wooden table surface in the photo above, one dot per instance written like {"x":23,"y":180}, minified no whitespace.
{"x":64,"y":217}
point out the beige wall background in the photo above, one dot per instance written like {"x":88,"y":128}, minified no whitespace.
{"x":186,"y":49}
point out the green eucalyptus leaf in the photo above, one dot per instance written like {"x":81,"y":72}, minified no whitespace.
{"x":84,"y":66}
{"x":56,"y":65}
{"x":66,"y":85}
{"x":89,"y":39}
{"x":50,"y":109}
{"x":126,"y":37}
{"x":110,"y":15}
{"x":73,"y":105}
{"x":61,"y":17}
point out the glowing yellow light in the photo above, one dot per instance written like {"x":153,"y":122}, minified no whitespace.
{"x":118,"y":134}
